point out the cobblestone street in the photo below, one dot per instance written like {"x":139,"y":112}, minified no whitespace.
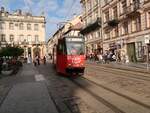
{"x":41,"y":90}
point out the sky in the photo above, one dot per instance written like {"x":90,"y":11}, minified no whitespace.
{"x":55,"y":11}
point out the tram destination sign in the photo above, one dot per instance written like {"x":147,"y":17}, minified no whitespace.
{"x":74,"y":39}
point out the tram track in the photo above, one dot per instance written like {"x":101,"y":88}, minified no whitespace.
{"x":113,"y":100}
{"x":120,"y":94}
{"x":105,"y":101}
{"x":124,"y":73}
{"x":102,"y":100}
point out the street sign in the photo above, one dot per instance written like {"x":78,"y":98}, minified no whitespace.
{"x":147,"y":39}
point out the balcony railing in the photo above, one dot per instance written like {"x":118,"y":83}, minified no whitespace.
{"x":133,"y":8}
{"x":113,"y":22}
{"x":92,"y":26}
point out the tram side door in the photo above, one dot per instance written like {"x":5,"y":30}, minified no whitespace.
{"x":60,"y":56}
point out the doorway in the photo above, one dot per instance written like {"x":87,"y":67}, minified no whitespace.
{"x":131,"y":52}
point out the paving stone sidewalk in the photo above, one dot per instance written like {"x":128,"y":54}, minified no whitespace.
{"x":28,"y":95}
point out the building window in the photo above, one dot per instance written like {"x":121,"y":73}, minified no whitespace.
{"x":136,"y":25}
{"x":36,"y":27}
{"x":28,"y":26}
{"x":148,"y":20}
{"x":11,"y":38}
{"x":115,"y":31}
{"x":21,"y":38}
{"x":115,"y":12}
{"x":106,"y":16}
{"x":2,"y":25}
{"x":11,"y":26}
{"x":36,"y":38}
{"x":125,"y":28}
{"x":29,"y":38}
{"x":3,"y":38}
{"x":124,"y":6}
{"x":133,"y":25}
{"x":21,"y":26}
{"x":107,"y":35}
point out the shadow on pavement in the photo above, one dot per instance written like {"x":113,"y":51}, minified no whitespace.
{"x":63,"y":89}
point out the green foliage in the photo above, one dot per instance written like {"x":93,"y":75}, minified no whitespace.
{"x":11,"y":51}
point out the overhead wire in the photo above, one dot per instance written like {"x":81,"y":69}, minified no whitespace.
{"x":70,"y":9}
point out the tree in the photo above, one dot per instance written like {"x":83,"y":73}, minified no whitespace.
{"x":11,"y":51}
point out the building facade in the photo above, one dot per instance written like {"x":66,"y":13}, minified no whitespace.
{"x":92,"y":25}
{"x":24,"y":30}
{"x":125,"y":25}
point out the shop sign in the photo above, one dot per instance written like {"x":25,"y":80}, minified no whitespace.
{"x":147,"y":39}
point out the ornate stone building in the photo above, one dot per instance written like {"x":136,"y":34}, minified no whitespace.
{"x":92,"y":25}
{"x":24,"y":30}
{"x":125,"y":25}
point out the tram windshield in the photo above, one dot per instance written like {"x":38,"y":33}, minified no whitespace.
{"x":75,"y":48}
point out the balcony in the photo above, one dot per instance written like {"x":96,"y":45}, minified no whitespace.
{"x":91,"y":27}
{"x":133,"y":9}
{"x":113,"y":22}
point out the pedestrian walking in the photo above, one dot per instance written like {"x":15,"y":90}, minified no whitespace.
{"x":29,"y":60}
{"x":38,"y":60}
{"x":35,"y":61}
{"x":100,"y":58}
{"x":44,"y":60}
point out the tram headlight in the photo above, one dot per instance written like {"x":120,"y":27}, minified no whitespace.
{"x":69,"y":65}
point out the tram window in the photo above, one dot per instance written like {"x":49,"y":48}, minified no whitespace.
{"x":75,"y":49}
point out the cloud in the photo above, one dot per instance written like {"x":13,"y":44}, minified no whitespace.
{"x":55,"y":10}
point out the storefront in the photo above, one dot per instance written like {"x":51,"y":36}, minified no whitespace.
{"x":141,"y":48}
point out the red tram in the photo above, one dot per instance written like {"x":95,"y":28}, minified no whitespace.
{"x":69,"y":56}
